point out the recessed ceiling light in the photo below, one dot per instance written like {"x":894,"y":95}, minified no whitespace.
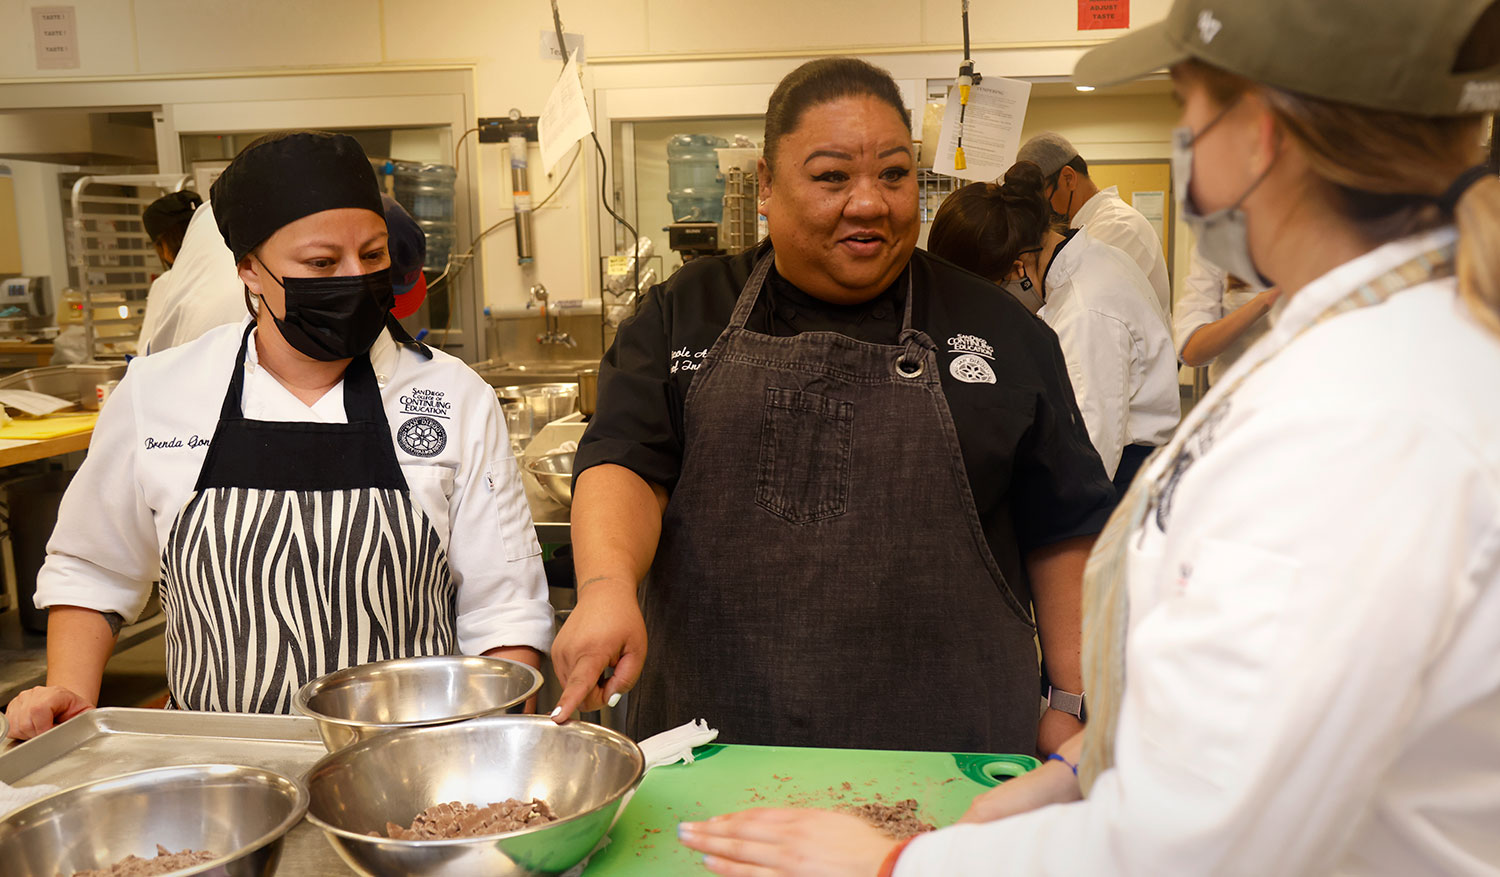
{"x":1084,"y":87}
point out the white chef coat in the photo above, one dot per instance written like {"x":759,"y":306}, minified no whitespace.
{"x":153,"y":434}
{"x":203,"y":289}
{"x":1110,"y":220}
{"x":1313,"y":667}
{"x":1116,"y":345}
{"x":1206,"y":298}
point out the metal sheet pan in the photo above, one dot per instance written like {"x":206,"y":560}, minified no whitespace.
{"x":107,"y":742}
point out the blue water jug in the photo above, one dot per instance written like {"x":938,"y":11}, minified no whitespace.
{"x":694,"y":185}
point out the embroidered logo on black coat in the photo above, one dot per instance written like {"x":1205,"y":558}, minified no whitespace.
{"x":422,"y":437}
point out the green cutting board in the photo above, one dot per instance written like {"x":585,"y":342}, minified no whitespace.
{"x":727,"y":778}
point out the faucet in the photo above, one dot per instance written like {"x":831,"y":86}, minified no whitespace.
{"x":550,"y":319}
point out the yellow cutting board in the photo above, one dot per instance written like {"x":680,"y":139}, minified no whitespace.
{"x":52,"y":426}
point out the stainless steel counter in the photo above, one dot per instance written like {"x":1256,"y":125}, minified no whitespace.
{"x":23,"y":654}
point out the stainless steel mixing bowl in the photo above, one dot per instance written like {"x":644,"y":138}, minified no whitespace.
{"x":359,"y":702}
{"x":241,"y":813}
{"x":582,"y":771}
{"x":554,"y":472}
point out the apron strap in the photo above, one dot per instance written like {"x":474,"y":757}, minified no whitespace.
{"x":362,"y":402}
{"x":231,"y":408}
{"x":746,"y":302}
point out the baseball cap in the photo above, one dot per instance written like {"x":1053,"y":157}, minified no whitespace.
{"x":408,"y":247}
{"x":1047,"y":151}
{"x":1393,"y":55}
{"x":170,"y":210}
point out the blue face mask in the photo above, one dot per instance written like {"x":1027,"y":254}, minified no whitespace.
{"x":332,"y":318}
{"x":1223,"y":236}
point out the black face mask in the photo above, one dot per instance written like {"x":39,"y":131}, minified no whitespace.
{"x":1059,"y":219}
{"x":331,"y":318}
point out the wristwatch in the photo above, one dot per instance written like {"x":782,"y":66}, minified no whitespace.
{"x":1067,"y":702}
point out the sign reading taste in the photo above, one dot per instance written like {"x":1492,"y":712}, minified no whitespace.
{"x":56,"y":30}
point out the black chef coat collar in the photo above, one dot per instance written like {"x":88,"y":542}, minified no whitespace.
{"x":783,"y":303}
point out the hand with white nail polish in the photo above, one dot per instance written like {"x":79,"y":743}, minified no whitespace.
{"x":605,"y":630}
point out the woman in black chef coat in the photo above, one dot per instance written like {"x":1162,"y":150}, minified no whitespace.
{"x":851,"y":469}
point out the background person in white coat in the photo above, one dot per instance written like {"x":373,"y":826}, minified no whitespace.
{"x":1113,"y":334}
{"x":1292,"y":646}
{"x":1218,"y":317}
{"x":1078,"y":202}
{"x":203,"y":289}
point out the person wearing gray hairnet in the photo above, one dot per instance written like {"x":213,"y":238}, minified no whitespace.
{"x":1078,"y":201}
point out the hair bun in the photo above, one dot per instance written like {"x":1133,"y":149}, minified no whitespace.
{"x":1024,"y":180}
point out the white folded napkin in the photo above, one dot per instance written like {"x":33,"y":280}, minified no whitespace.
{"x":29,"y":402}
{"x":13,"y":798}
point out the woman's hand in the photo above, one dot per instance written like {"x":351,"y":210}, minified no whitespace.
{"x":604,"y":630}
{"x":38,"y":709}
{"x":789,"y":842}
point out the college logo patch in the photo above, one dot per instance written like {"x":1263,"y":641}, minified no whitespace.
{"x":971,"y":369}
{"x":970,"y":364}
{"x":422,"y":437}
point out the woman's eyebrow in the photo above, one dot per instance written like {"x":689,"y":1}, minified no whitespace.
{"x":828,"y":153}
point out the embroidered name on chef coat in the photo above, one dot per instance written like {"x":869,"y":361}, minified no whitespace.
{"x":972,"y":356}
{"x":172,"y":443}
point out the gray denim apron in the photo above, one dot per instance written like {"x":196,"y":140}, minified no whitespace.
{"x":822,"y":577}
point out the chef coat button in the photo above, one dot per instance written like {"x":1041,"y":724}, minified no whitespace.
{"x":881,"y":312}
{"x":381,"y":380}
{"x":787,"y":313}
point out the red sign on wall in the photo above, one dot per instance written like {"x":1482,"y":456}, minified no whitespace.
{"x":1103,"y":14}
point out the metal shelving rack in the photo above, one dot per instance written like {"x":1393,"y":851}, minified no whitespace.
{"x":932,"y":189}
{"x":741,"y":220}
{"x":112,"y":252}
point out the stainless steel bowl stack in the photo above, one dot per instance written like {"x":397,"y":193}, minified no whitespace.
{"x":359,"y":702}
{"x":240,"y":813}
{"x":582,"y":771}
{"x":554,"y":472}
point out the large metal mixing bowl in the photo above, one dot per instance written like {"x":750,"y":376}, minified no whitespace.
{"x":554,"y":472}
{"x":582,"y":771}
{"x":241,"y":813}
{"x":360,"y":702}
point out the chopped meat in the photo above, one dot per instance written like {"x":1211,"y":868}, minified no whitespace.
{"x":455,"y":819}
{"x":899,"y":821}
{"x":164,"y":862}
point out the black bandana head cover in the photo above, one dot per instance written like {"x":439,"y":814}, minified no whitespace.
{"x":281,"y":178}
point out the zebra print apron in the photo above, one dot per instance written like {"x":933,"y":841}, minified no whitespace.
{"x":301,"y":552}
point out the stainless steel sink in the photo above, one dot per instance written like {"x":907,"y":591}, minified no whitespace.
{"x":502,"y":374}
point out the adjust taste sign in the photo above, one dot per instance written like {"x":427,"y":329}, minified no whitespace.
{"x":1103,"y":14}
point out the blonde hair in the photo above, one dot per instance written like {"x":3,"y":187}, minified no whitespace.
{"x":1385,"y":172}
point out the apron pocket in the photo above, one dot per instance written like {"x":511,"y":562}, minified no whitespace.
{"x":805,"y":444}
